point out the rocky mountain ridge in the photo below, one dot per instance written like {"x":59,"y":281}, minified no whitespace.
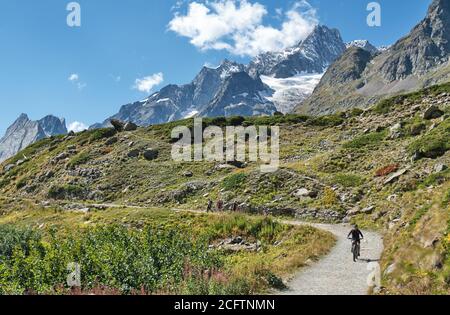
{"x":24,"y":132}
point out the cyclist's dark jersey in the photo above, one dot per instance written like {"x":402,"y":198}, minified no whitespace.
{"x":356,"y":235}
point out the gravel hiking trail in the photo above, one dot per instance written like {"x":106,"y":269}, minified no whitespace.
{"x":336,"y":273}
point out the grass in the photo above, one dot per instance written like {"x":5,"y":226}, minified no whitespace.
{"x":433,"y":144}
{"x":79,"y":159}
{"x":362,"y":141}
{"x":387,"y":105}
{"x":103,"y":133}
{"x":348,"y":180}
{"x":234,"y":181}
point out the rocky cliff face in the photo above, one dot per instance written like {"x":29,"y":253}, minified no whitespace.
{"x":418,"y":60}
{"x":24,"y":132}
{"x":241,"y":95}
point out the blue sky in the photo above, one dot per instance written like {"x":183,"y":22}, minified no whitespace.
{"x":85,"y":74}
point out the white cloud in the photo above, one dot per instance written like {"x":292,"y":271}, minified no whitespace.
{"x":77,"y":126}
{"x":237,"y":26}
{"x":146,"y":84}
{"x":74,"y":77}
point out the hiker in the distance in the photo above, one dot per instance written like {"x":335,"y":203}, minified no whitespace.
{"x":209,"y":206}
{"x":219,"y":205}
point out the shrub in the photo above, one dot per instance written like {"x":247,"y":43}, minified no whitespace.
{"x":330,"y":198}
{"x":348,"y":180}
{"x":128,"y":260}
{"x":384,"y":171}
{"x":103,"y":133}
{"x":66,"y":192}
{"x":365,"y":140}
{"x":21,"y":183}
{"x":327,"y":121}
{"x":236,"y":120}
{"x":12,"y":238}
{"x":234,"y":181}
{"x":433,"y":144}
{"x":79,"y":159}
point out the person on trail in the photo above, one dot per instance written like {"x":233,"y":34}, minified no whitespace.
{"x":356,"y":236}
{"x":219,"y":205}
{"x":210,"y":205}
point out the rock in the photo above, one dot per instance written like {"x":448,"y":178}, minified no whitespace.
{"x":433,"y":112}
{"x":237,"y":240}
{"x":20,"y":162}
{"x":129,"y":126}
{"x":111,"y":141}
{"x":117,"y":124}
{"x":133,"y":153}
{"x":439,"y":168}
{"x":130,"y":144}
{"x":417,"y":129}
{"x":304,"y":193}
{"x":9,"y":167}
{"x":396,"y":131}
{"x":237,"y":164}
{"x":60,"y":157}
{"x":395,"y":176}
{"x":188,"y":174}
{"x":151,"y":154}
{"x":368,"y":210}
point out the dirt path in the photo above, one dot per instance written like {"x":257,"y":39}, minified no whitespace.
{"x":337,"y":274}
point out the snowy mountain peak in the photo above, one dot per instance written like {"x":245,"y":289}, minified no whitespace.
{"x":363,"y":44}
{"x":313,"y":55}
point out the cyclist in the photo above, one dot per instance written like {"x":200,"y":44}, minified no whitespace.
{"x":356,"y":236}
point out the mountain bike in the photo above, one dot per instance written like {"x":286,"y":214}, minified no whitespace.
{"x":356,"y":249}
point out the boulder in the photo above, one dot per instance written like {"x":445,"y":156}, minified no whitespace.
{"x":133,"y":153}
{"x":440,"y":168}
{"x":188,"y":174}
{"x":117,"y":124}
{"x":396,"y":131}
{"x":304,"y":193}
{"x":433,"y":112}
{"x":417,"y":129}
{"x":9,"y":167}
{"x":111,"y":141}
{"x":151,"y":154}
{"x":395,"y":176}
{"x":129,"y":126}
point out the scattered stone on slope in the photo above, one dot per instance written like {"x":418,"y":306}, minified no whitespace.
{"x":129,"y":126}
{"x":111,"y":141}
{"x":440,"y":168}
{"x":395,"y":176}
{"x":117,"y":124}
{"x":133,"y":153}
{"x":151,"y":154}
{"x":433,"y":112}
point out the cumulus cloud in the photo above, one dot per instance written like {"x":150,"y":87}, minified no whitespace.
{"x":74,"y":77}
{"x":146,"y":84}
{"x":237,"y":26}
{"x":77,"y":126}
